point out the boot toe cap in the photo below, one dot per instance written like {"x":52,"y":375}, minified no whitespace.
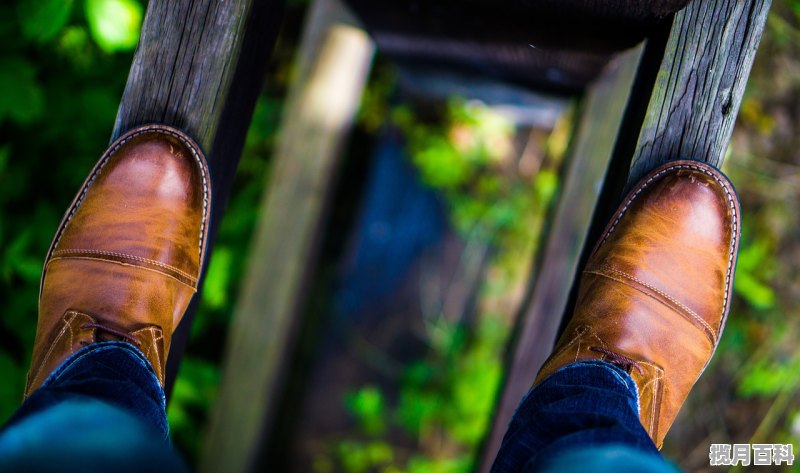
{"x":147,"y":201}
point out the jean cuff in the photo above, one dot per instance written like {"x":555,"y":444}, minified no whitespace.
{"x":114,"y":372}
{"x":99,"y":347}
{"x":619,"y":374}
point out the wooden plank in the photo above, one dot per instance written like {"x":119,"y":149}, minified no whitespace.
{"x":332,"y":69}
{"x":185,"y":65}
{"x":591,"y":151}
{"x":615,"y":11}
{"x":700,"y":83}
{"x":199,"y":67}
{"x":557,"y":45}
{"x":688,"y":95}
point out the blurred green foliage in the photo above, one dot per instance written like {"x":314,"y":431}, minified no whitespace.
{"x":43,"y":20}
{"x":767,"y":377}
{"x":59,"y":97}
{"x":755,"y":270}
{"x":443,"y":406}
{"x":192,"y":395}
{"x":23,"y":99}
{"x":369,"y":407}
{"x":467,"y":159}
{"x":114,"y":23}
{"x":63,"y":67}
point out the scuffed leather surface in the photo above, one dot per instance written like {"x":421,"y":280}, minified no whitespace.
{"x":657,"y":287}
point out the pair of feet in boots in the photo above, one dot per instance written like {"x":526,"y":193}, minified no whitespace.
{"x":653,"y":297}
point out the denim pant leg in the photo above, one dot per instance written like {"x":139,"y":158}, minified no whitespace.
{"x":103,"y":409}
{"x":590,"y":405}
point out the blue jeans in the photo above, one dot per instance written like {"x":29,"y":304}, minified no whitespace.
{"x":103,"y":409}
{"x":585,"y":414}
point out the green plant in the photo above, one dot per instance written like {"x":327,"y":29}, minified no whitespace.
{"x":59,"y":97}
{"x":445,"y":399}
{"x":63,"y":67}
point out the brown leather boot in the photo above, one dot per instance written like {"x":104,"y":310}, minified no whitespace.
{"x":126,"y":258}
{"x":656,"y":290}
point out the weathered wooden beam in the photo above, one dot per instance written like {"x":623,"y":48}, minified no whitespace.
{"x":688,"y":95}
{"x":641,"y":12}
{"x":699,"y":86}
{"x":570,"y":25}
{"x":185,"y":65}
{"x":331,"y":71}
{"x":199,"y":67}
{"x":556,"y":45}
{"x":591,"y":151}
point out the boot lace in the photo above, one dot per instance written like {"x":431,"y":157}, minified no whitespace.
{"x":621,"y":361}
{"x":117,"y":333}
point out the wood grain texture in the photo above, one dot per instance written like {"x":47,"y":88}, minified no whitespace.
{"x":592,"y":146}
{"x":698,"y":89}
{"x":332,"y":68}
{"x":184,"y":66}
{"x":199,"y":67}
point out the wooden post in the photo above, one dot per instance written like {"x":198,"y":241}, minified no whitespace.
{"x":199,"y":67}
{"x":700,"y":84}
{"x":687,"y":104}
{"x":591,"y":152}
{"x":331,"y":72}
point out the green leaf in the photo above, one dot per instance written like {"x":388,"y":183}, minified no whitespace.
{"x":417,"y":411}
{"x":196,"y":383}
{"x":757,"y":294}
{"x":11,"y":388}
{"x":421,"y":464}
{"x":767,"y":377}
{"x":114,"y":24}
{"x":753,"y":276}
{"x":75,"y":45}
{"x":380,"y":453}
{"x":546,"y":185}
{"x":5,"y":153}
{"x":21,"y":99}
{"x":440,"y":164}
{"x":354,"y":457}
{"x":16,"y":255}
{"x":215,"y":287}
{"x":42,"y":20}
{"x":194,"y":392}
{"x":368,"y":406}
